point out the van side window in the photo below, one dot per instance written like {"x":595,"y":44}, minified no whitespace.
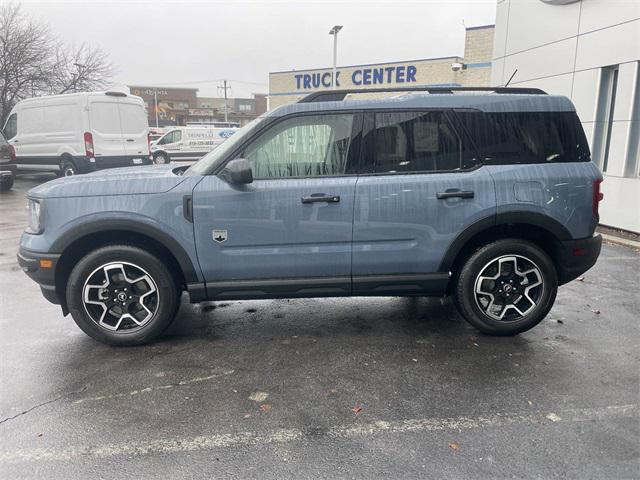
{"x":415,"y":142}
{"x":304,"y":146}
{"x":526,"y":137}
{"x":11,"y":127}
{"x":171,"y":137}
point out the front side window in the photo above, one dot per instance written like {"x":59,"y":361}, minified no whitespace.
{"x":305,"y":146}
{"x":11,"y":128}
{"x":171,"y":137}
{"x":415,"y":142}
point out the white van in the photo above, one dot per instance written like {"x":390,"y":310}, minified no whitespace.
{"x":188,"y":143}
{"x":79,"y":132}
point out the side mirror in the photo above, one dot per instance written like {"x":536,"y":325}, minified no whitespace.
{"x":237,"y":171}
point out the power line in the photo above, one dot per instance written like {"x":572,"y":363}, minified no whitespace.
{"x":214,"y":80}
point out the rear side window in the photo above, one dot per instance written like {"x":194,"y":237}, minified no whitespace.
{"x":526,"y":137}
{"x":133,"y":119}
{"x":104,"y":117}
{"x":415,"y":142}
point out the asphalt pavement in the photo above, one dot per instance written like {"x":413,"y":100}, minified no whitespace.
{"x":322,"y":388}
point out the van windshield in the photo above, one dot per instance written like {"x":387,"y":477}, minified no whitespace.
{"x":215,"y":156}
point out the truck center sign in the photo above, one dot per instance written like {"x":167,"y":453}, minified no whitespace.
{"x":359,"y":77}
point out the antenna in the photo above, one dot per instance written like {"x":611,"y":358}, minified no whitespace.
{"x":511,"y":77}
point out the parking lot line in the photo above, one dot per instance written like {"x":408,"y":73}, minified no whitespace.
{"x":222,"y":440}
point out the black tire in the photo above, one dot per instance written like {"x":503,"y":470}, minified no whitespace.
{"x":165,"y":300}
{"x":161,"y":158}
{"x":67,"y":168}
{"x":489,"y":260}
{"x":6,"y":184}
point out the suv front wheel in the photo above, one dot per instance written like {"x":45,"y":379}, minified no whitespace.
{"x":506,"y":287}
{"x":122,"y":295}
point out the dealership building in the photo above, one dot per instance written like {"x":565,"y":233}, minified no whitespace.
{"x":589,"y":51}
{"x":177,"y":106}
{"x":472,"y":69}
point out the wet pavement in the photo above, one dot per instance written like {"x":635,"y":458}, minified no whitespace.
{"x":349,"y":388}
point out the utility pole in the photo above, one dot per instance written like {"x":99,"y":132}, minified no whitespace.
{"x":226,"y":107}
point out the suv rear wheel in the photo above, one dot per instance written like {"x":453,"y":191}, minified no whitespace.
{"x":506,"y":287}
{"x":122,"y":295}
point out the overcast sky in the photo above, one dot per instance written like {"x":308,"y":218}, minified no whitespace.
{"x":163,"y":43}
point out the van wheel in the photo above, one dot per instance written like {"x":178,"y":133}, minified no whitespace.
{"x":68,"y":168}
{"x":161,"y":158}
{"x":506,"y":287}
{"x":6,"y":183}
{"x":122,"y":295}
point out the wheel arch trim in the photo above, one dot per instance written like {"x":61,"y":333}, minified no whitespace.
{"x":79,"y":231}
{"x":534,"y":219}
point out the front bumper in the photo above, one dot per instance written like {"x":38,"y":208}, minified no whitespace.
{"x":574,"y":257}
{"x":35,"y":265}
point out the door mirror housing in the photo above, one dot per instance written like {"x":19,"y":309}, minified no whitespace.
{"x":237,"y":171}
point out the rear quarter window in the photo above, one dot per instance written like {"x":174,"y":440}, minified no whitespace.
{"x":526,"y":137}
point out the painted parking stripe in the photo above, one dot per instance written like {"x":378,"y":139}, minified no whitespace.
{"x":168,"y":446}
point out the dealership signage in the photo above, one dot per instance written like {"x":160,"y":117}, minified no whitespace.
{"x":359,"y":77}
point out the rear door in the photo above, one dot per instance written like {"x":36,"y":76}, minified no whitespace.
{"x":135,"y":128}
{"x":421,"y":186}
{"x":104,"y":118}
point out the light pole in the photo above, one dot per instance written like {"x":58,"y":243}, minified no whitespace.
{"x":334,"y":31}
{"x":155,"y":98}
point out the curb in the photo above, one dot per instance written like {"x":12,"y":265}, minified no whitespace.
{"x":620,"y":241}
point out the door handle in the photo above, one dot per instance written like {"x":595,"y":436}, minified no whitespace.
{"x":321,"y":197}
{"x":454,"y":194}
{"x":130,"y":140}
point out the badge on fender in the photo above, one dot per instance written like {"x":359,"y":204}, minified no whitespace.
{"x":219,"y":235}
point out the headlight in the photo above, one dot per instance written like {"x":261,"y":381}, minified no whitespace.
{"x":34,"y":217}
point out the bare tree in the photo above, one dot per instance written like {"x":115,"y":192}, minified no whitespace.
{"x":80,"y":69}
{"x":25,"y":47}
{"x":33,"y":62}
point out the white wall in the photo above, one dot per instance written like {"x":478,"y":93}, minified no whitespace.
{"x":562,"y":47}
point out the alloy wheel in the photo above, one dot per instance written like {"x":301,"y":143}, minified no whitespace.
{"x":120,"y":296}
{"x":509,"y":287}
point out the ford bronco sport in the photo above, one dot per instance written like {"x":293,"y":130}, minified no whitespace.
{"x":487,"y":195}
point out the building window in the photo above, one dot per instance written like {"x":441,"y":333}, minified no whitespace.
{"x":604,"y":115}
{"x":633,"y":154}
{"x":244,"y":108}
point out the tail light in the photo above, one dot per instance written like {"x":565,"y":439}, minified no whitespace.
{"x":88,"y":145}
{"x":12,"y":153}
{"x":597,"y":196}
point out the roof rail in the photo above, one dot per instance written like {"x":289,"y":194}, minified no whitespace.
{"x":338,"y":95}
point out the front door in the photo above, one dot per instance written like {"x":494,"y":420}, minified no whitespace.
{"x":421,"y":188}
{"x":289,"y":232}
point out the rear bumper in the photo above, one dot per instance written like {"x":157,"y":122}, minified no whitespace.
{"x":574,"y":257}
{"x":45,"y":277}
{"x":7,"y":170}
{"x":121,"y":161}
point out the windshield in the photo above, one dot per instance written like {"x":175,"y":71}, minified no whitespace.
{"x":215,"y":156}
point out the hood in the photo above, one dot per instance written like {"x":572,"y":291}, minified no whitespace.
{"x":116,"y":181}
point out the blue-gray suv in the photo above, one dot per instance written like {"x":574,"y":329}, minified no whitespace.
{"x":487,"y":195}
